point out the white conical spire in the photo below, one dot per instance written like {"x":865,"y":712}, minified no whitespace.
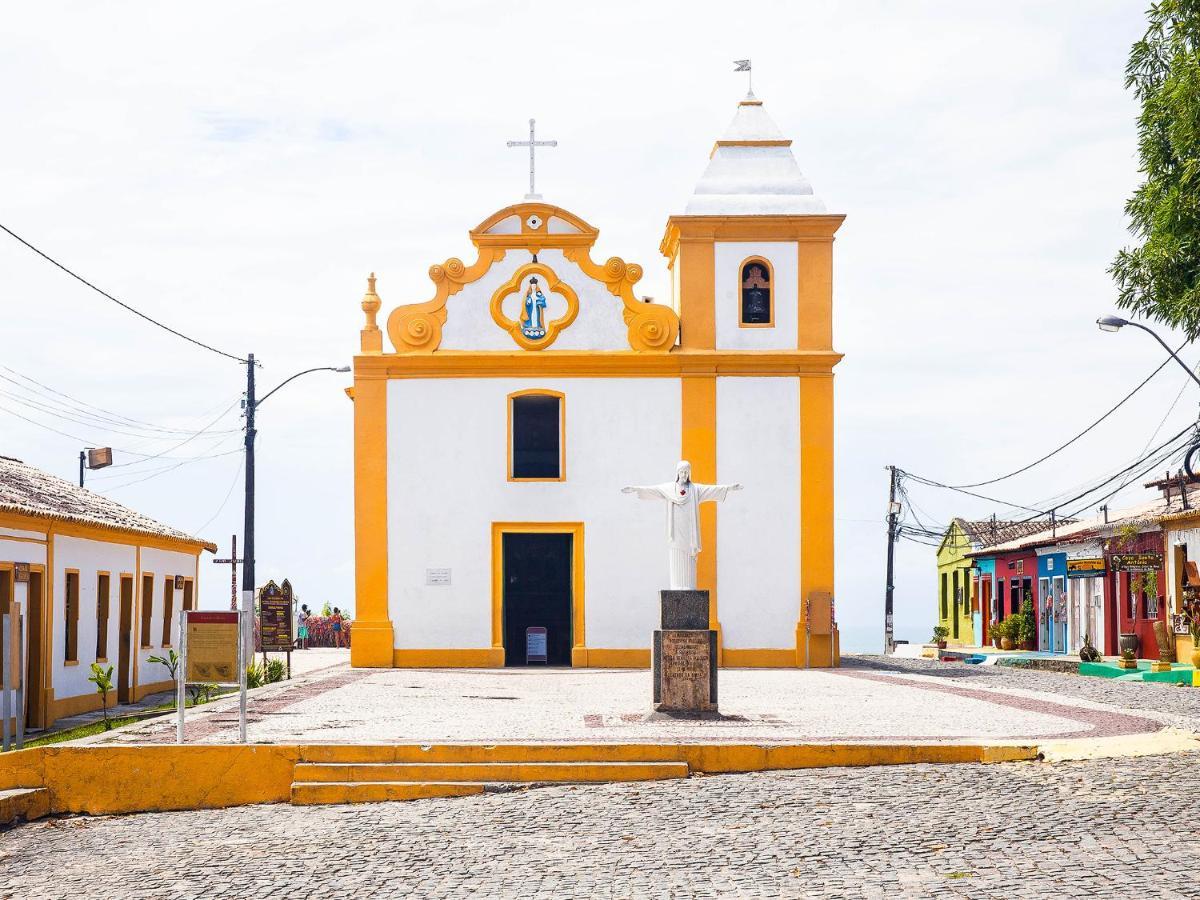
{"x":752,"y":172}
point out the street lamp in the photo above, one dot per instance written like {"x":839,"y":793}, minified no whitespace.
{"x":1116,"y":323}
{"x":248,"y":539}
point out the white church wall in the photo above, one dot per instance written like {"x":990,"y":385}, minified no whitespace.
{"x":758,"y":529}
{"x":162,"y":563}
{"x":447,"y":484}
{"x":600,"y":324}
{"x":728,"y":257}
{"x":89,"y":558}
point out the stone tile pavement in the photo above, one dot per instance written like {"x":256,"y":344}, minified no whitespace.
{"x":1017,"y":830}
{"x":867,"y":700}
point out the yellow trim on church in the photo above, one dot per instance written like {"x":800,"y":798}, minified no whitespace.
{"x":663,"y":343}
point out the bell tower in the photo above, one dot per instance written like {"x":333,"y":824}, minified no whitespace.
{"x":751,"y":263}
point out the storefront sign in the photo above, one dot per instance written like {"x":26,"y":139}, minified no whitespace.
{"x":1179,"y":624}
{"x":1084,"y":568}
{"x":21,"y":573}
{"x":1137,"y":562}
{"x":212,"y":647}
{"x":275,"y":617}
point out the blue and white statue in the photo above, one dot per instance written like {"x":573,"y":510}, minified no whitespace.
{"x":533,"y":325}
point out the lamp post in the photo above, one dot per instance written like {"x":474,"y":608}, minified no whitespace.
{"x":1116,"y":323}
{"x":252,"y":405}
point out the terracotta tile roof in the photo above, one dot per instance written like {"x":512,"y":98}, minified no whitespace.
{"x":25,"y":490}
{"x":985,"y":532}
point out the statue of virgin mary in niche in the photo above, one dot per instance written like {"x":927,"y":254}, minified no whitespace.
{"x":533,"y":326}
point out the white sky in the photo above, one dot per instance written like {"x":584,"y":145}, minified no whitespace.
{"x":237,"y":169}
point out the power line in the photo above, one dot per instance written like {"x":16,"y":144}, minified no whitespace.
{"x":120,"y":303}
{"x":929,"y":481}
{"x":79,"y":407}
{"x":1062,"y":447}
{"x":156,"y":474}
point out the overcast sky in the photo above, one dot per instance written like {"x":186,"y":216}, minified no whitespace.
{"x":237,"y":169}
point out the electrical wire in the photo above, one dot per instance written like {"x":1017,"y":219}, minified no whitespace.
{"x":1062,"y":447}
{"x":120,"y":303}
{"x":77,"y":406}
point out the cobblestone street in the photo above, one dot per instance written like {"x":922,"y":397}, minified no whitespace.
{"x":1098,"y":829}
{"x":1088,"y":828}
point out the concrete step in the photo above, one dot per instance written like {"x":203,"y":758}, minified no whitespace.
{"x":318,"y":793}
{"x":487,"y":753}
{"x":520,"y":772}
{"x":23,"y":804}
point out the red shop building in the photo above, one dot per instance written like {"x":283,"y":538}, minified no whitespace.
{"x":1135,"y":590}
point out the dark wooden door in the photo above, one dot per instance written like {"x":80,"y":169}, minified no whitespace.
{"x":125,"y":639}
{"x":35,"y":669}
{"x":537,"y":592}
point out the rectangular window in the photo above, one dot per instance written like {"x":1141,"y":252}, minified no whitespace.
{"x":168,"y":609}
{"x":102,"y":616}
{"x":1014,"y":596}
{"x":147,"y":608}
{"x":71,"y":616}
{"x":536,"y":437}
{"x":945,"y":602}
{"x":999,"y":599}
{"x":188,"y":588}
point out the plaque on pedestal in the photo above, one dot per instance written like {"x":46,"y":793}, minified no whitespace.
{"x":685,"y":656}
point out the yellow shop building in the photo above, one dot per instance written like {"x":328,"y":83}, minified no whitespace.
{"x":496,"y":421}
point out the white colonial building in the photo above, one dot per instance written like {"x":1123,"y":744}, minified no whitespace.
{"x":96,"y":582}
{"x":494,"y":434}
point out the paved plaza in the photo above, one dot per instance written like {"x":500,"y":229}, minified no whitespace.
{"x":866,"y":700}
{"x":1099,"y":829}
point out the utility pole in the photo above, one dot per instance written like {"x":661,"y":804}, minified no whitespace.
{"x":889,"y":644}
{"x":248,"y":527}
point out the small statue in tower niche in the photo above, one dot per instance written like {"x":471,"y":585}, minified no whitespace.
{"x":756,"y":294}
{"x":533,"y":325}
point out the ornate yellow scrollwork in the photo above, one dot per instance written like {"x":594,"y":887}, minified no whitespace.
{"x":417,"y":327}
{"x":552,"y":328}
{"x":653,"y":328}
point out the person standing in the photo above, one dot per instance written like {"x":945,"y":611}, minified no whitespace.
{"x":302,"y":626}
{"x":336,"y":621}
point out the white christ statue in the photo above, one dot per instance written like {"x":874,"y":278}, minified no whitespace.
{"x":683,"y":497}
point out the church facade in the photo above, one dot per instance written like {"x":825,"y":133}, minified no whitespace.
{"x":496,"y":423}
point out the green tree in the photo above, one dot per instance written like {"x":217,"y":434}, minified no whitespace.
{"x":1160,"y":278}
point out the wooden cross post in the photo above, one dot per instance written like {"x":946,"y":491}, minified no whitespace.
{"x":232,"y":562}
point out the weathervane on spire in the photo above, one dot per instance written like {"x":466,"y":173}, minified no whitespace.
{"x":743,"y":65}
{"x":531,"y":143}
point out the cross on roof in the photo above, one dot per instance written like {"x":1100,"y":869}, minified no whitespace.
{"x":531,"y":144}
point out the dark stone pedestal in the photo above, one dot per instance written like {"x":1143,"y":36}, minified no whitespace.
{"x":685,"y":656}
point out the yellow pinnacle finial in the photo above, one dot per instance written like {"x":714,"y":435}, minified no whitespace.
{"x":372,"y":337}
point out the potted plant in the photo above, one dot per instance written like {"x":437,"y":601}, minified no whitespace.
{"x":940,"y":633}
{"x":1191,"y":608}
{"x":1128,"y":659}
{"x":1005,"y":630}
{"x":1088,"y":652}
{"x":1026,"y":635}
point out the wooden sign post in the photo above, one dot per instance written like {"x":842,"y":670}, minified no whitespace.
{"x":210,"y":646}
{"x":275,"y":621}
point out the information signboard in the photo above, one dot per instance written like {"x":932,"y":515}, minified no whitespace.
{"x":212,"y":648}
{"x":275,"y":617}
{"x":535,"y":644}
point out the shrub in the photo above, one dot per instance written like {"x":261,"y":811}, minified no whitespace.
{"x":1027,"y":625}
{"x":276,"y":670}
{"x":102,"y":679}
{"x":940,"y":633}
{"x":255,"y":676}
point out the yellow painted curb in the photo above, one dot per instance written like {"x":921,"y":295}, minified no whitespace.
{"x":490,"y":772}
{"x":312,"y":794}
